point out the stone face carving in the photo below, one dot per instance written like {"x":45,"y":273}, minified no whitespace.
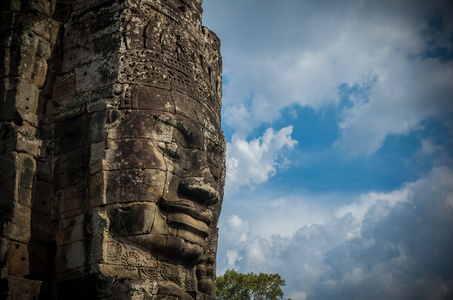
{"x":122,"y":155}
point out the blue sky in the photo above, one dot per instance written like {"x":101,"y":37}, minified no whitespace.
{"x":338,"y":117}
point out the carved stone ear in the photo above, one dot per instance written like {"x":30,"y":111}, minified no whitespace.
{"x":131,"y":219}
{"x":205,"y":279}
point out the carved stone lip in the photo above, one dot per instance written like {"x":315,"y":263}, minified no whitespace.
{"x":192,"y":224}
{"x":188,"y":207}
{"x":188,"y":221}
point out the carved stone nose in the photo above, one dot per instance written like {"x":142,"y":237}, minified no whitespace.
{"x":199,"y":189}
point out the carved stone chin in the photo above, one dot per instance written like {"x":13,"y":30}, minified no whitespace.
{"x":113,"y":151}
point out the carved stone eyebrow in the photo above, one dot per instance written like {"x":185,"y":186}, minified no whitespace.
{"x":187,"y":133}
{"x":213,"y":148}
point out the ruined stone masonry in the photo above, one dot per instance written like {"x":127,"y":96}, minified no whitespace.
{"x":112,"y":159}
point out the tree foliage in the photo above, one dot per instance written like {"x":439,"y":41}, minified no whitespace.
{"x":237,"y":286}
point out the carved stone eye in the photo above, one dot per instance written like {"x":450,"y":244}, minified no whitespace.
{"x":172,"y":150}
{"x":215,"y":172}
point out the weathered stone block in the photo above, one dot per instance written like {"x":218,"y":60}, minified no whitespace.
{"x":71,"y":59}
{"x":209,"y":120}
{"x":54,"y":28}
{"x":40,"y":257}
{"x":26,"y":100}
{"x":97,"y":151}
{"x":70,"y":257}
{"x":97,"y":166}
{"x":70,"y":230}
{"x":70,"y":169}
{"x":70,"y":201}
{"x":64,"y":85}
{"x":97,"y":127}
{"x":131,"y":219}
{"x":29,"y":144}
{"x":23,"y":289}
{"x":44,"y":170}
{"x":97,"y":189}
{"x":152,"y":98}
{"x":18,"y":262}
{"x":100,"y":48}
{"x":71,"y":134}
{"x":26,"y":172}
{"x":43,"y":7}
{"x":64,"y":108}
{"x":35,"y":44}
{"x":35,"y":24}
{"x":6,"y":100}
{"x":42,"y":228}
{"x":134,"y":185}
{"x":138,"y":124}
{"x":19,"y":227}
{"x":5,"y":55}
{"x":160,"y":227}
{"x":102,"y":21}
{"x":72,"y":35}
{"x":141,"y":153}
{"x":38,"y":72}
{"x":96,"y":74}
{"x":8,"y":179}
{"x":184,"y":105}
{"x":4,"y":248}
{"x":42,"y":203}
{"x":96,"y":106}
{"x":100,"y":225}
{"x":85,"y":4}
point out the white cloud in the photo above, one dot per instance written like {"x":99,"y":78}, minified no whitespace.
{"x":429,"y":147}
{"x":375,"y":61}
{"x":359,"y":207}
{"x":251,"y":163}
{"x":232,"y":257}
{"x":238,"y":229}
{"x":403,"y":250}
{"x":409,"y":92}
{"x":301,"y":52}
{"x":298,"y":296}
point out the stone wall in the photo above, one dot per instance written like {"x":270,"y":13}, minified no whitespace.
{"x":111,"y":152}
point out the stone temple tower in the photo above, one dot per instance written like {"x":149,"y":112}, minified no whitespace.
{"x":112,"y":159}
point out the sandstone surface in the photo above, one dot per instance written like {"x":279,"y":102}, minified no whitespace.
{"x":111,"y":153}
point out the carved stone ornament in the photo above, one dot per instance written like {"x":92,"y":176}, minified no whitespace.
{"x":112,"y":154}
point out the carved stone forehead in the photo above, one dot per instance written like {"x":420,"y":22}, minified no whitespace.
{"x":162,"y":127}
{"x":177,"y":103}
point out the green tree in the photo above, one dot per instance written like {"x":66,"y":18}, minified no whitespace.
{"x":237,"y":286}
